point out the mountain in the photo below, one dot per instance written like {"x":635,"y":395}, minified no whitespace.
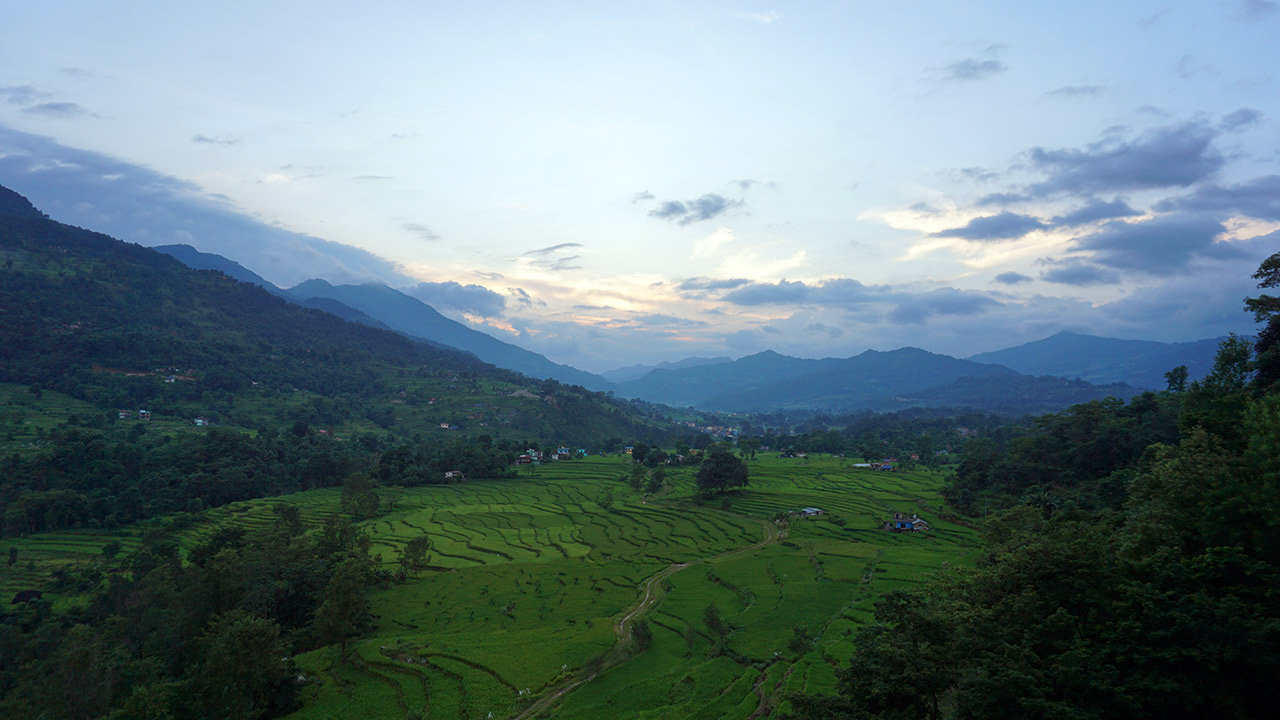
{"x":414,"y":318}
{"x":855,"y":383}
{"x":894,"y":380}
{"x":697,"y":385}
{"x":197,"y":260}
{"x":1140,"y":363}
{"x":633,"y":372}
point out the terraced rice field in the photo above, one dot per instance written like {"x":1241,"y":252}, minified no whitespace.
{"x":530,"y":577}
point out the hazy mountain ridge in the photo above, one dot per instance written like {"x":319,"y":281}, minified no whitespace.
{"x":635,"y":372}
{"x":412,"y":317}
{"x":1140,"y":363}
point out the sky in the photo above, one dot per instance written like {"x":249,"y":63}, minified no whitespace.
{"x":620,"y":183}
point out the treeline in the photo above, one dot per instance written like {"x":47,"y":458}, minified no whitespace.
{"x":210,"y":638}
{"x":112,"y":476}
{"x":1133,"y":573}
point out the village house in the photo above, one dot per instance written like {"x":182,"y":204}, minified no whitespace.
{"x":144,"y":414}
{"x":810,"y":512}
{"x":200,"y":422}
{"x":454,"y":476}
{"x":902,"y":523}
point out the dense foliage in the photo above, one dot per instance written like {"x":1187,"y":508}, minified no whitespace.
{"x":208,"y":638}
{"x":1134,"y":573}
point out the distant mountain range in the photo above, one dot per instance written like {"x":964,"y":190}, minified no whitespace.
{"x":632,"y":372}
{"x":1140,"y":363}
{"x":1040,"y":376}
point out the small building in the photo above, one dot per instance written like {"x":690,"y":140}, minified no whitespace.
{"x":144,"y":414}
{"x":454,"y":476}
{"x":901,"y":523}
{"x":864,"y":466}
{"x":200,"y":422}
{"x":810,"y":512}
{"x":123,"y":414}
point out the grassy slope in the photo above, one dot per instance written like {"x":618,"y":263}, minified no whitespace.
{"x":533,"y":572}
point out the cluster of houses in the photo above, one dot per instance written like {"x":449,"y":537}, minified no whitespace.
{"x":146,"y":415}
{"x":536,"y":457}
{"x":885,"y":465}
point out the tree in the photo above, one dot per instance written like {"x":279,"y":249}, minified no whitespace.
{"x":245,"y":672}
{"x":721,"y":470}
{"x":1177,"y":379}
{"x":414,"y":554}
{"x":1266,"y":309}
{"x":345,"y":610}
{"x":748,"y":447}
{"x":638,"y":451}
{"x":359,"y":496}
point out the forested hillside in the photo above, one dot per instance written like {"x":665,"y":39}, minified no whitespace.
{"x":1131,"y":566}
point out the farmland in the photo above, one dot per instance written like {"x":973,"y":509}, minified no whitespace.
{"x":529,"y":578}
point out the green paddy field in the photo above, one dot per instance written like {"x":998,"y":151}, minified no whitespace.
{"x":536,"y":585}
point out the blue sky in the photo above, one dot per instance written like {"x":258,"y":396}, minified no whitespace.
{"x":610,"y":185}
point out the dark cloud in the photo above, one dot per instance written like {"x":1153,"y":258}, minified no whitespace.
{"x":1257,"y":198}
{"x":21,"y":94}
{"x":703,"y":283}
{"x":523,"y":298}
{"x":978,"y":174}
{"x":140,"y":205}
{"x":473,"y":299}
{"x":217,"y":140}
{"x":973,"y":69}
{"x":58,"y":110}
{"x":1075,"y":91}
{"x":1173,"y":156}
{"x":828,"y":330}
{"x":552,"y":248}
{"x":422,"y":231}
{"x":641,"y":196}
{"x":1240,"y":119}
{"x":704,"y":208}
{"x":782,"y":292}
{"x":1162,"y":246}
{"x":1096,"y":210}
{"x":992,"y":228}
{"x":1077,"y":272}
{"x":999,"y":199}
{"x":915,"y":309}
{"x":1012,"y":278}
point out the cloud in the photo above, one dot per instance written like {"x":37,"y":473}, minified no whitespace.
{"x":1255,"y":9}
{"x":551,"y":249}
{"x":140,"y":205}
{"x":828,"y":330}
{"x":1240,"y":119}
{"x":21,"y":94}
{"x":422,"y":231}
{"x":58,"y":110}
{"x":991,"y":228}
{"x":915,"y":309}
{"x":226,"y":140}
{"x":1173,"y":156}
{"x":1257,"y":198}
{"x":523,"y":298}
{"x":1074,"y":271}
{"x":641,"y":196}
{"x":707,"y":246}
{"x":473,"y":299}
{"x":1094,"y":211}
{"x":1161,"y":246}
{"x":703,"y":208}
{"x":698,"y":285}
{"x":1012,"y":278}
{"x":1001,"y":199}
{"x":1075,"y":91}
{"x":665,"y":320}
{"x":973,"y":69}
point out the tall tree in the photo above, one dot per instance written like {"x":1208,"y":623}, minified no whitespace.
{"x":721,"y":470}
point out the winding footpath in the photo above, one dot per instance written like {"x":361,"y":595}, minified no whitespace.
{"x":622,"y":628}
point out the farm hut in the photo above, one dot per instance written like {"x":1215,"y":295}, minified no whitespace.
{"x":144,"y":414}
{"x":865,"y":466}
{"x":902,"y":523}
{"x":811,"y":512}
{"x":454,"y":476}
{"x":25,"y":596}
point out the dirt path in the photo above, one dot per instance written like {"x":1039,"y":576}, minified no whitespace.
{"x":622,"y":628}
